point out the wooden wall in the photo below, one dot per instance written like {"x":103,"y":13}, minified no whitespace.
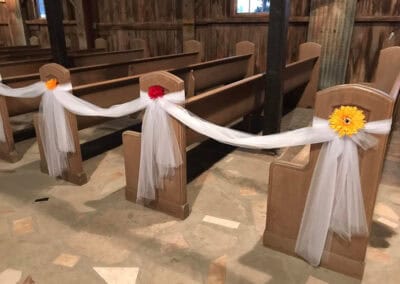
{"x":157,"y":22}
{"x":5,"y":38}
{"x":11,"y":24}
{"x":162,"y":24}
{"x":377,"y":26}
{"x":220,"y":30}
{"x":34,"y":26}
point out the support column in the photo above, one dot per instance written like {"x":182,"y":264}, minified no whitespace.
{"x":331,"y":25}
{"x":276,"y":61}
{"x":54,"y":15}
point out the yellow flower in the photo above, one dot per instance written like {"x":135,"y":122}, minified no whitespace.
{"x":51,"y":84}
{"x":347,"y":120}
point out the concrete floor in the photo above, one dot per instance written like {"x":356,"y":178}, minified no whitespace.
{"x":85,"y":234}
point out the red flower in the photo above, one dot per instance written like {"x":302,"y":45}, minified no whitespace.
{"x":156,"y":92}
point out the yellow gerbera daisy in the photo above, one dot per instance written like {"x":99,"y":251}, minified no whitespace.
{"x":347,"y":120}
{"x":51,"y":84}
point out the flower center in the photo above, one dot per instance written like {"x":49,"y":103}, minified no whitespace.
{"x":51,"y":84}
{"x":156,"y":92}
{"x":347,"y":120}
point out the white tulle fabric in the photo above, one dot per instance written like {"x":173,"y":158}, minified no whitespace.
{"x":31,"y":91}
{"x":160,"y":153}
{"x":334,"y":201}
{"x":55,"y":130}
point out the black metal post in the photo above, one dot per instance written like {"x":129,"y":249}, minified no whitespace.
{"x":54,"y":16}
{"x":276,"y":61}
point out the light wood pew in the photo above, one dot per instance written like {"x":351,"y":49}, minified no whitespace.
{"x":290,"y":177}
{"x":43,"y":52}
{"x":85,"y":75}
{"x":387,"y":75}
{"x":117,"y":91}
{"x":19,"y":47}
{"x":304,"y":96}
{"x":21,"y":67}
{"x":223,"y":106}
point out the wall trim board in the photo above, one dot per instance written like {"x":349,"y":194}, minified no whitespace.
{"x":247,"y":20}
{"x":139,"y":26}
{"x":377,"y":19}
{"x":42,"y":22}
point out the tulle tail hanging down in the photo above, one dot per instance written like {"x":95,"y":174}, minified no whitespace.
{"x":56,"y":134}
{"x":160,"y":154}
{"x":335,"y":201}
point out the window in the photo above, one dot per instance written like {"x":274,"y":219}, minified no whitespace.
{"x":251,"y":6}
{"x":41,"y":9}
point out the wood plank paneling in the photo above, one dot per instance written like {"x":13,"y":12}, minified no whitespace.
{"x":377,"y":26}
{"x":220,"y":30}
{"x":367,"y":41}
{"x":157,"y":22}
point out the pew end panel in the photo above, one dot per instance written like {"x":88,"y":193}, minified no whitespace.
{"x":194,"y":46}
{"x":223,"y":106}
{"x":310,"y":50}
{"x":74,"y":172}
{"x":247,"y":47}
{"x":100,"y":43}
{"x":7,"y":148}
{"x":387,"y":70}
{"x":172,"y":198}
{"x":138,"y":43}
{"x":290,"y":177}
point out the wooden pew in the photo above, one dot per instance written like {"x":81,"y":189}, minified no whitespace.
{"x":223,"y":106}
{"x":117,"y":91}
{"x":387,"y":75}
{"x":21,"y":67}
{"x":303,"y":96}
{"x":42,"y":52}
{"x":19,"y":47}
{"x":290,"y":177}
{"x":85,"y":75}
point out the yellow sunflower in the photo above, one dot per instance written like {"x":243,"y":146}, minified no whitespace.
{"x":51,"y":84}
{"x":347,"y":120}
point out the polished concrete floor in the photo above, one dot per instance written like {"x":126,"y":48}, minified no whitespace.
{"x":91,"y":234}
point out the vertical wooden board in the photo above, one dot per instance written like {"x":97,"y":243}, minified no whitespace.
{"x":299,"y":7}
{"x":378,"y":8}
{"x":366,"y":44}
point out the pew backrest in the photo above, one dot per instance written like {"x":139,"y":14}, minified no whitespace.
{"x":307,"y":51}
{"x":227,"y":104}
{"x":21,"y":67}
{"x":388,"y":70}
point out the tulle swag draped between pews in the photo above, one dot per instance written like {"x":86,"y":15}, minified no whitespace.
{"x":31,"y":91}
{"x":334,"y":201}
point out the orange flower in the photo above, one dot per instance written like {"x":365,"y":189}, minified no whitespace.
{"x":51,"y":84}
{"x":347,"y":120}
